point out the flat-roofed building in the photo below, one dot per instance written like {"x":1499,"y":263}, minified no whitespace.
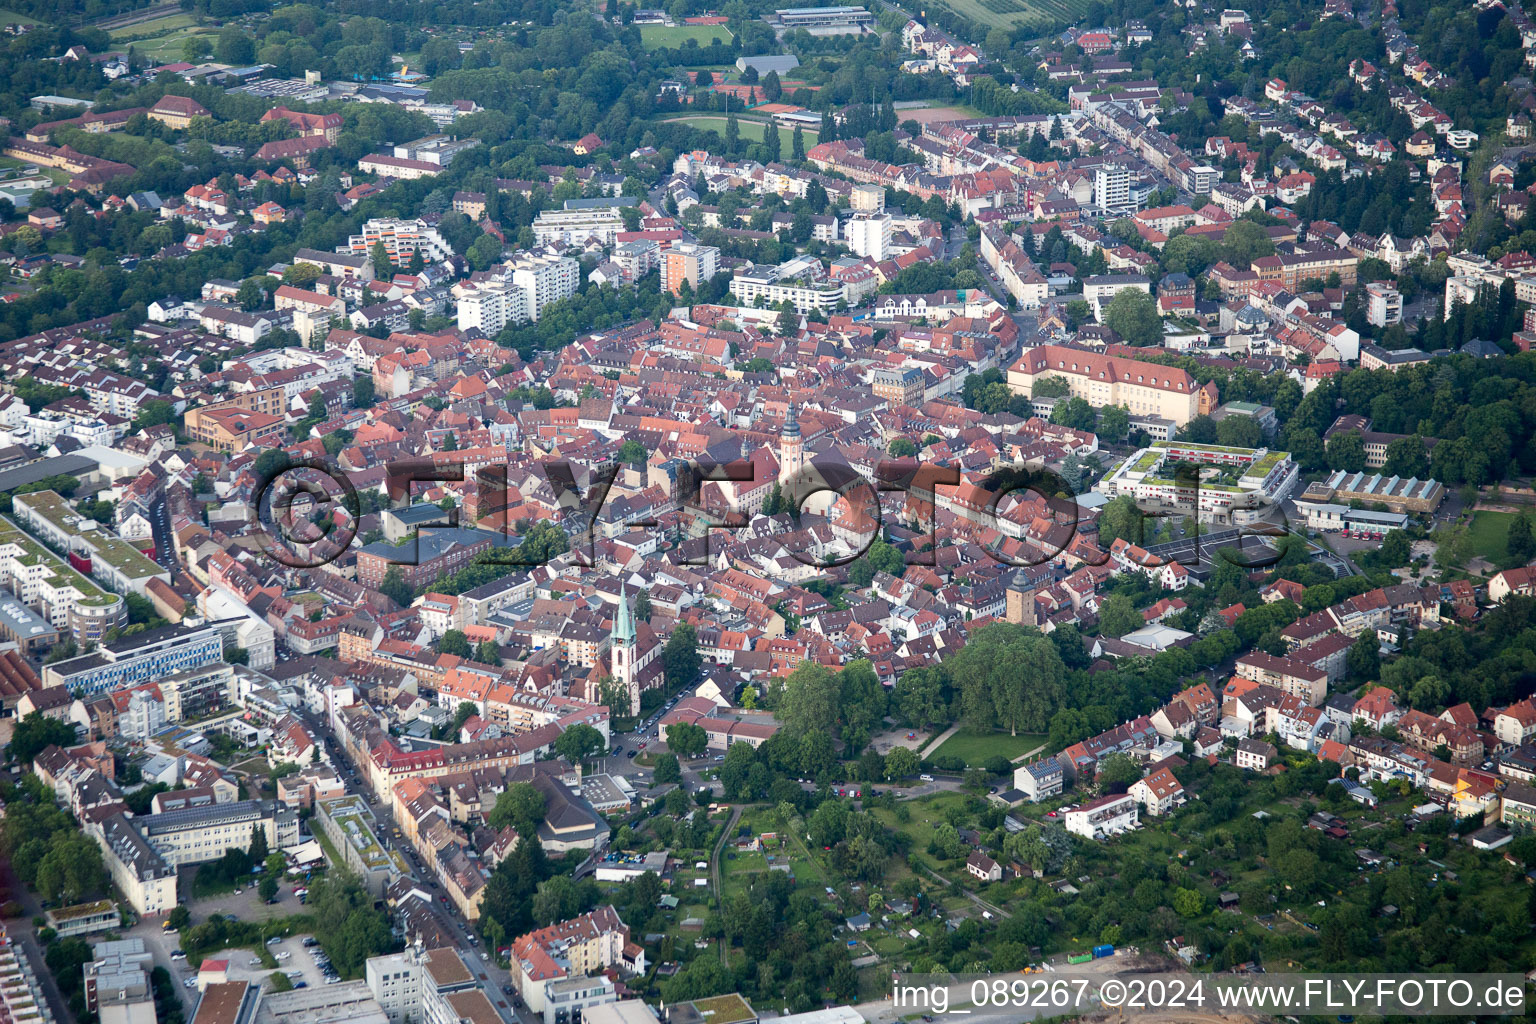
{"x":141,"y":657}
{"x":824,"y":21}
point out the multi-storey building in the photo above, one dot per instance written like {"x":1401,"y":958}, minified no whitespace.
{"x":1146,"y":389}
{"x":401,"y":238}
{"x":141,"y":657}
{"x":1383,"y":304}
{"x":145,"y":878}
{"x":869,"y":234}
{"x":71,"y":602}
{"x":435,"y":552}
{"x":1232,"y":481}
{"x":92,"y":549}
{"x":198,"y":834}
{"x":1287,"y":675}
{"x":802,"y":282}
{"x":1112,"y":188}
{"x":415,"y":985}
{"x":688,"y":261}
{"x":574,"y":948}
{"x":1104,"y":817}
{"x":517,"y":291}
{"x":228,"y":428}
{"x":1290,"y":269}
{"x":574,"y":225}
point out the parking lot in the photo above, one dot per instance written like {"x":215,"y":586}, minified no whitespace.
{"x":245,"y":965}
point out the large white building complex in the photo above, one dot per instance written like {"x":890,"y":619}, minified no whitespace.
{"x":1236,"y":484}
{"x":516,"y":292}
{"x":802,"y":282}
{"x":401,"y":238}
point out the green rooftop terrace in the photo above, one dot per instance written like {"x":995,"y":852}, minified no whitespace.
{"x":107,"y":546}
{"x":32,"y":553}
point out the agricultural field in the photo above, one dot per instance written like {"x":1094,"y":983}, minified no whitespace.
{"x":670,"y":37}
{"x":750,"y":130}
{"x":1012,"y":13}
{"x":12,"y":18}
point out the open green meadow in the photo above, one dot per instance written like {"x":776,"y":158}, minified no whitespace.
{"x":750,"y":130}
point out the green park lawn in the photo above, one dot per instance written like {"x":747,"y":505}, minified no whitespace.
{"x":1490,"y":533}
{"x":976,"y":746}
{"x":750,"y":130}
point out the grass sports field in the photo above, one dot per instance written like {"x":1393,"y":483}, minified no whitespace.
{"x":670,"y":37}
{"x":750,"y":130}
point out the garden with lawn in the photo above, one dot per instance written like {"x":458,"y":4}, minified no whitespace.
{"x":976,"y":746}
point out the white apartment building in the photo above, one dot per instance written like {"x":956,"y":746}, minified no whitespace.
{"x":1104,"y":817}
{"x":637,"y":258}
{"x":401,"y":238}
{"x":574,"y":227}
{"x":416,"y":984}
{"x":801,"y":282}
{"x":518,"y":292}
{"x":490,"y":305}
{"x":1112,"y":188}
{"x":1383,"y":304}
{"x":545,"y":277}
{"x":869,"y":234}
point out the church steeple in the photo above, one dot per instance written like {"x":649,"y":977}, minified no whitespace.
{"x":622,"y":652}
{"x":791,"y":445}
{"x":624,"y":620}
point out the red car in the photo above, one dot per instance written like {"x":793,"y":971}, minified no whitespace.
{"x":1051,"y":814}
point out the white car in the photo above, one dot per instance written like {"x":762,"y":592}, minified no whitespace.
{"x":925,"y":778}
{"x":284,"y":955}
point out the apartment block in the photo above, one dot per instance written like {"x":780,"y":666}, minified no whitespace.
{"x":688,"y":261}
